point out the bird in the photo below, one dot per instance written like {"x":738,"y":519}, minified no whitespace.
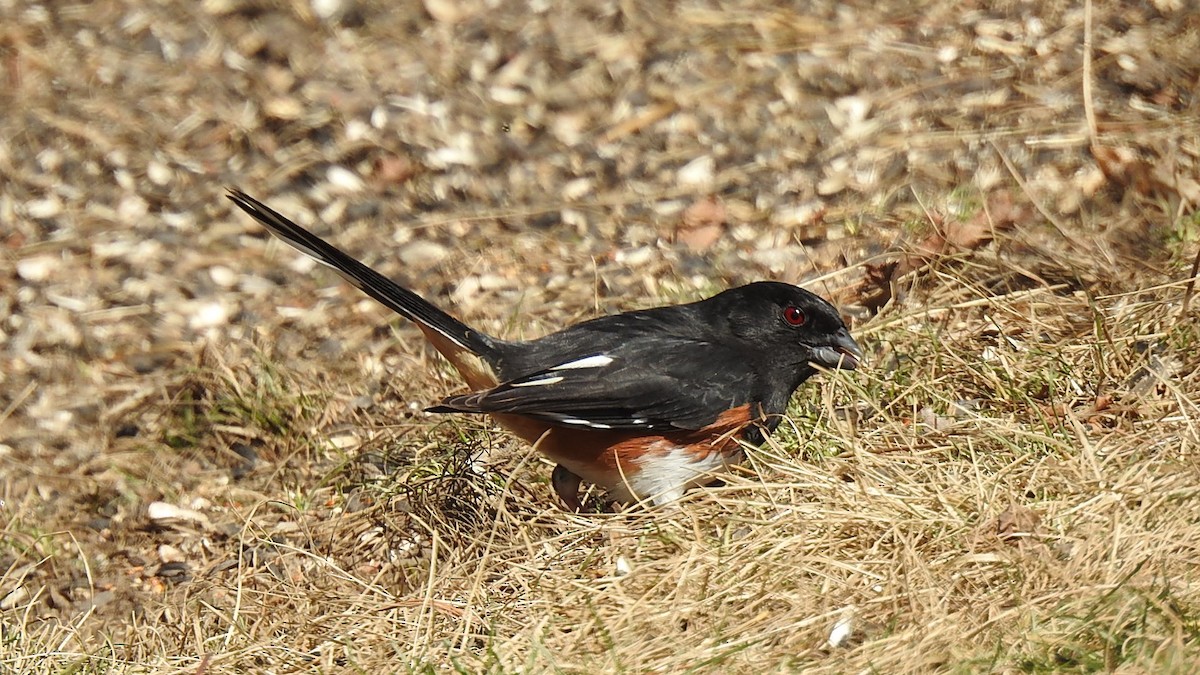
{"x":646,"y":404}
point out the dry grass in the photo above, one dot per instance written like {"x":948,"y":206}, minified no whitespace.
{"x":1047,"y":525}
{"x":212,"y":459}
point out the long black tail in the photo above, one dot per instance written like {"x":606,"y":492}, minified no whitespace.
{"x":399,"y":299}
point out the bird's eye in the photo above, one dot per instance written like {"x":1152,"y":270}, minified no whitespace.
{"x":794,"y":315}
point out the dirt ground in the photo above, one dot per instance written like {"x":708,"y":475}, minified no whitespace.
{"x":213,"y":455}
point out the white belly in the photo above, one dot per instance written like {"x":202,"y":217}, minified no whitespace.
{"x":667,"y":472}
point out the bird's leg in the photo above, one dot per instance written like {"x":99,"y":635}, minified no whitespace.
{"x":566,"y":486}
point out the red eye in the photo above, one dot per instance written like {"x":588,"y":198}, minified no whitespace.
{"x":794,"y":316}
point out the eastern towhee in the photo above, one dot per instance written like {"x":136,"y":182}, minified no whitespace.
{"x":645,"y":403}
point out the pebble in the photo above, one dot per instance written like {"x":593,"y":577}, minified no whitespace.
{"x":508,"y":95}
{"x":14,"y":598}
{"x":256,"y":285}
{"x":169,"y":554}
{"x":423,"y":253}
{"x":795,"y":215}
{"x":300,"y":263}
{"x":37,"y":268}
{"x":699,"y":171}
{"x":577,"y":189}
{"x":357,"y":130}
{"x":623,"y":566}
{"x":50,"y":160}
{"x":162,"y":511}
{"x":777,"y":259}
{"x":444,"y":11}
{"x":178,"y":219}
{"x":159,"y":173}
{"x":344,"y":441}
{"x":635,"y":257}
{"x":379,"y":117}
{"x":283,"y":108}
{"x":446,"y":157}
{"x":330,"y":10}
{"x":471,"y":287}
{"x":46,"y":208}
{"x":223,"y":276}
{"x":669,"y":207}
{"x":208,"y":315}
{"x":132,"y":208}
{"x":842,"y":629}
{"x":344,"y":179}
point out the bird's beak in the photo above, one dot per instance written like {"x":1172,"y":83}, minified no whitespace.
{"x":842,"y":352}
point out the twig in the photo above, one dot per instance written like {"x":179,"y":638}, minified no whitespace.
{"x":1062,"y":230}
{"x":1191,"y":285}
{"x":1089,"y":111}
{"x":20,"y":398}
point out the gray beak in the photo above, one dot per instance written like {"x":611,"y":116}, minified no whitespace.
{"x":842,"y":352}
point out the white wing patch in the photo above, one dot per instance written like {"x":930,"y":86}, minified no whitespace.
{"x":538,"y":382}
{"x":596,"y":361}
{"x":590,"y":424}
{"x":582,"y":423}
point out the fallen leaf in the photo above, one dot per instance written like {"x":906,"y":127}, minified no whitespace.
{"x":1147,"y":172}
{"x":393,"y":170}
{"x":1016,"y":524}
{"x":702,"y":224}
{"x":877,"y":286}
{"x":949,"y":238}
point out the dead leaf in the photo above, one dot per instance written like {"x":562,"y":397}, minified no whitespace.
{"x":957,"y":237}
{"x":935,"y":421}
{"x":949,"y":238}
{"x":1146,"y":172}
{"x":1016,"y":522}
{"x":1017,"y":526}
{"x":393,"y":170}
{"x":877,"y":287}
{"x":702,"y":224}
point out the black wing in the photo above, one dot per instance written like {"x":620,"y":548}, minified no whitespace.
{"x":648,"y":383}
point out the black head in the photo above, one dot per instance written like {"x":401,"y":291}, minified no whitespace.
{"x":792,"y":324}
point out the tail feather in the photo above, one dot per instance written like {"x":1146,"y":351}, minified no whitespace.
{"x":397,"y":298}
